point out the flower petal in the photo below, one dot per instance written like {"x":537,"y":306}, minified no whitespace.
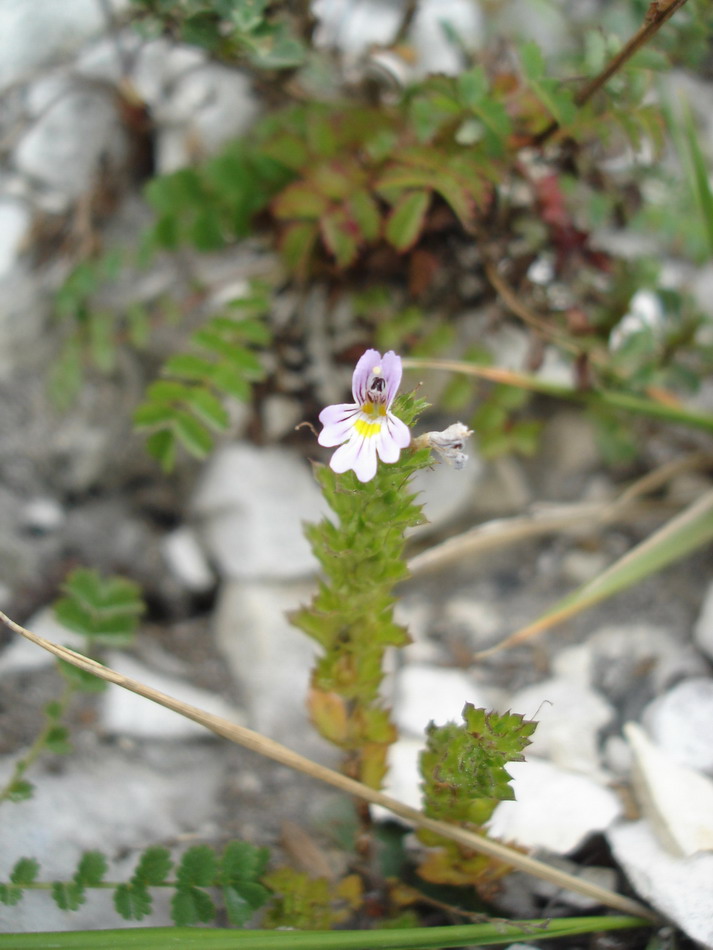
{"x":338,"y":422}
{"x":398,"y":430}
{"x":391,"y":365}
{"x":359,"y":454}
{"x":393,"y":437}
{"x":362,"y":372}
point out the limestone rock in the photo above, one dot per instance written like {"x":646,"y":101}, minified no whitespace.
{"x":553,"y":808}
{"x":679,"y":722}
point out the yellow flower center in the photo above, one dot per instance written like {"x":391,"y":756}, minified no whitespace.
{"x":367,"y":429}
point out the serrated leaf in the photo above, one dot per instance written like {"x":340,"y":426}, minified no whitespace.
{"x":162,"y":447}
{"x":365,"y":211}
{"x":21,"y":790}
{"x":154,"y":866}
{"x":152,"y":414}
{"x":192,"y":434}
{"x":68,"y":895}
{"x":132,"y":901}
{"x":57,"y":740}
{"x":300,"y":200}
{"x":405,"y":223}
{"x":25,"y":871}
{"x":209,"y":409}
{"x":191,"y":905}
{"x":472,"y":86}
{"x":243,"y":900}
{"x":198,"y":865}
{"x":91,"y":870}
{"x":242,"y":861}
{"x":188,"y":366}
{"x":10,"y":896}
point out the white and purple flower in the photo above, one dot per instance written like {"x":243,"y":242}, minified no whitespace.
{"x":366,"y":427}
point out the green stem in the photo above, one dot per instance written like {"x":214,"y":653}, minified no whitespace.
{"x":38,"y":746}
{"x":421,"y":938}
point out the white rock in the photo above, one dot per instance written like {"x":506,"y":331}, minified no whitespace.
{"x":435,"y":51}
{"x":105,"y":58}
{"x":280,"y":416}
{"x":427,"y":693}
{"x":445,"y":492}
{"x":22,"y":656}
{"x":352,"y":26}
{"x":679,"y":722}
{"x":677,"y":801}
{"x":620,"y":652}
{"x":570,"y":717}
{"x":680,"y":888}
{"x":207,"y":106}
{"x":63,"y":150}
{"x":252,"y":503}
{"x":270,"y":660}
{"x":42,"y":515}
{"x":186,"y":560}
{"x":35,"y":34}
{"x":159,"y":65}
{"x":554,"y":809}
{"x":703,"y":630}
{"x":403,"y":779}
{"x":108,"y":802}
{"x":15,"y":220}
{"x":125,"y":713}
{"x":478,"y":619}
{"x":503,"y":489}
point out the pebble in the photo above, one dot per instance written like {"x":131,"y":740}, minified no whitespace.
{"x":679,"y":888}
{"x":427,"y":694}
{"x":124,"y":713}
{"x":270,"y":660}
{"x":570,"y":717}
{"x":677,"y":801}
{"x":40,"y":33}
{"x":553,"y":809}
{"x":65,"y":147}
{"x":186,"y":559}
{"x":679,"y":722}
{"x":15,"y":220}
{"x":106,"y":801}
{"x":251,"y":504}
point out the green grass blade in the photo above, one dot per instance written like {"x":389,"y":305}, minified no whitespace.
{"x":700,"y":182}
{"x":422,"y":938}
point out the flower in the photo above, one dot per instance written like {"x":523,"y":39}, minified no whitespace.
{"x":449,"y":443}
{"x":365,"y":428}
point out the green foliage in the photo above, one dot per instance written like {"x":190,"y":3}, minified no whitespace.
{"x":351,"y":617}
{"x":104,"y":610}
{"x":464,"y":779}
{"x":235,"y":874}
{"x":310,"y":903}
{"x":254,"y":30}
{"x":187,"y":407}
{"x":463,"y":766}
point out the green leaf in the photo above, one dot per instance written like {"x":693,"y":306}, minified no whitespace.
{"x":191,"y":905}
{"x":105,"y":609}
{"x":192,"y":434}
{"x":472,"y":86}
{"x":297,"y":244}
{"x":57,"y":740}
{"x":154,"y":866}
{"x":68,"y":895}
{"x":557,"y":100}
{"x":91,"y":870}
{"x":209,"y":409}
{"x":162,"y":447}
{"x":25,"y":871}
{"x":341,"y":236}
{"x":21,"y":790}
{"x":198,"y":865}
{"x":10,"y":896}
{"x":132,"y":901}
{"x":700,"y":177}
{"x":405,"y":223}
{"x":300,"y":200}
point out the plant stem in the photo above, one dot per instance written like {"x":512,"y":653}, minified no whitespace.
{"x":37,"y":747}
{"x":657,"y":14}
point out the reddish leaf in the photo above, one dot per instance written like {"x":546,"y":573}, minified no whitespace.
{"x":341,"y":235}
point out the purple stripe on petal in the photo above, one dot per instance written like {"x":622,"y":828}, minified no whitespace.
{"x":391,"y":364}
{"x":386,"y":447}
{"x":362,"y":372}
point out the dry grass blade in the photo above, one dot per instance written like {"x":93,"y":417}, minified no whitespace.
{"x":680,"y":536}
{"x":279,"y":753}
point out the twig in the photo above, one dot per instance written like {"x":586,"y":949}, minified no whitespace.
{"x":279,"y":753}
{"x":657,"y":14}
